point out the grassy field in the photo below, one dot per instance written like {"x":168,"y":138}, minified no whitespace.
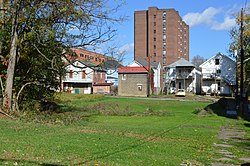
{"x":98,"y":130}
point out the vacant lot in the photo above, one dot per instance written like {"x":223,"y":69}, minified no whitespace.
{"x":98,"y":130}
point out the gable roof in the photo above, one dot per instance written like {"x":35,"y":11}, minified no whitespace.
{"x":143,"y":62}
{"x":218,"y":54}
{"x":133,"y":69}
{"x":89,"y":64}
{"x":111,"y":64}
{"x":181,"y":63}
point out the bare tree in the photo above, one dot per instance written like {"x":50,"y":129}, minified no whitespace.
{"x":197,"y":60}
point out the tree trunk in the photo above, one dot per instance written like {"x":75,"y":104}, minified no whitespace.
{"x":7,"y":102}
{"x":1,"y":22}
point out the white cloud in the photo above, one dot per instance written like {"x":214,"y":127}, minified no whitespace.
{"x":227,"y":24}
{"x":127,"y":48}
{"x":208,"y":17}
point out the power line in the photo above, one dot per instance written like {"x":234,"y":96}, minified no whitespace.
{"x":245,"y":6}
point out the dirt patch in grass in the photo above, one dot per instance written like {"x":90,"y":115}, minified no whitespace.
{"x":233,"y":147}
{"x":198,"y":127}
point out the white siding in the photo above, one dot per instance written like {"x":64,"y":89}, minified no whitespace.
{"x":77,"y":73}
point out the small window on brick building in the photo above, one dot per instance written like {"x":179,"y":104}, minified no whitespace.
{"x":124,"y":76}
{"x":139,"y":87}
{"x":217,"y":61}
{"x":154,"y":31}
{"x":70,"y":74}
{"x":154,"y":23}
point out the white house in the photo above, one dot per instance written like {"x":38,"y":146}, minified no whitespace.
{"x":183,"y":75}
{"x":218,"y":75}
{"x":81,"y":76}
{"x":156,"y":66}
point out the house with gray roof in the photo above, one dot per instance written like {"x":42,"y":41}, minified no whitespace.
{"x":182,"y":75}
{"x":219,"y":75}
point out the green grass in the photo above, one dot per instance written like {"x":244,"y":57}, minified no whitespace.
{"x":98,"y":130}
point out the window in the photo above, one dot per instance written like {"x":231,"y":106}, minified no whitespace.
{"x":124,"y":76}
{"x":154,"y":16}
{"x":218,"y":85}
{"x":218,"y":71}
{"x":154,"y":46}
{"x":217,"y":61}
{"x":139,"y":87}
{"x":70,"y":74}
{"x":154,"y":38}
{"x":154,"y":31}
{"x":164,"y":53}
{"x":81,"y":55}
{"x":154,"y":23}
{"x":164,"y":60}
{"x":83,"y":74}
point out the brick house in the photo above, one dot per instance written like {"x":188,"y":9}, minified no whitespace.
{"x":135,"y":81}
{"x":156,"y":67}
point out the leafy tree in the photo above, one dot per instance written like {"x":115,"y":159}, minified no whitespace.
{"x":42,"y":33}
{"x":235,"y":45}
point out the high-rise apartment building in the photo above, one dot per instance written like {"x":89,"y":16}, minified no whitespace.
{"x":160,"y":35}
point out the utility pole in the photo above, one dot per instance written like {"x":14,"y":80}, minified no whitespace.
{"x":149,"y":76}
{"x":237,"y":83}
{"x":241,"y":66}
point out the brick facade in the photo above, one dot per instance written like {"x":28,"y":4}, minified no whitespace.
{"x":135,"y":84}
{"x":89,"y":56}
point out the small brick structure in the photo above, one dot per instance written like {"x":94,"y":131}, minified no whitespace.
{"x":102,"y":88}
{"x":134,"y":81}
